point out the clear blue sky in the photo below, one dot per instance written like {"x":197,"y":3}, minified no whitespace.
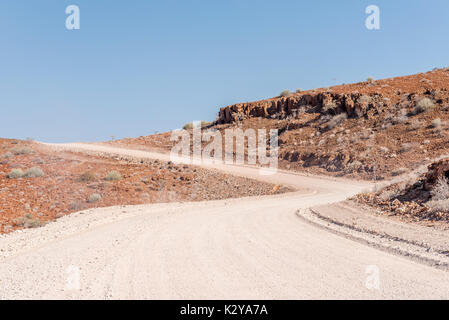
{"x":136,"y":67}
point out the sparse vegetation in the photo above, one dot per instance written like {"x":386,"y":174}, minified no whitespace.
{"x":94,"y":198}
{"x":436,"y":123}
{"x":205,"y":124}
{"x":406,"y":147}
{"x":113,"y":176}
{"x":330,"y":107}
{"x":20,"y":150}
{"x":441,"y":190}
{"x":370,"y":79}
{"x":438,"y":205}
{"x":87,"y":176}
{"x":285,"y":93}
{"x":364,"y":99}
{"x":190,"y":125}
{"x":7,"y":155}
{"x":384,"y":149}
{"x":76,"y":205}
{"x":336,"y":121}
{"x":388,"y":195}
{"x":423,"y":105}
{"x":399,"y":171}
{"x":34,"y":172}
{"x":440,"y":195}
{"x":400,"y":119}
{"x":298,"y":90}
{"x":16,"y":173}
{"x":415,"y":125}
{"x":27,"y":221}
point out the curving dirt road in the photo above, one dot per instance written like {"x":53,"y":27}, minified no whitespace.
{"x":249,"y":248}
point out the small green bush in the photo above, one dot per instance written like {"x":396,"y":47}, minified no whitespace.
{"x":336,"y":121}
{"x":364,"y":99}
{"x":424,"y":105}
{"x":113,"y":176}
{"x":399,"y":171}
{"x":436,"y":123}
{"x":19,"y":150}
{"x":87,"y":177}
{"x":370,"y":79}
{"x":16,"y":173}
{"x":205,"y":124}
{"x":27,"y":221}
{"x":330,"y":107}
{"x":76,"y":205}
{"x":441,"y":189}
{"x":190,"y":125}
{"x":94,"y":198}
{"x":34,"y":172}
{"x":285,"y":93}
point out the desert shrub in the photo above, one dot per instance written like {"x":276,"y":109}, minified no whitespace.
{"x":285,"y":93}
{"x":384,"y":149}
{"x":191,"y":125}
{"x":19,"y":150}
{"x":364,"y":99}
{"x":436,"y":123}
{"x":441,"y":190}
{"x":387,"y":195}
{"x":113,"y":176}
{"x":188,"y":126}
{"x":34,"y":172}
{"x":386,"y":125}
{"x":16,"y":173}
{"x":7,"y":155}
{"x":94,"y":198}
{"x":76,"y":205}
{"x":399,"y":119}
{"x":370,"y":79}
{"x":415,"y":125}
{"x":87,"y":176}
{"x":205,"y":124}
{"x":337,"y":120}
{"x":298,"y":90}
{"x":330,"y":107}
{"x":353,"y":166}
{"x":399,"y":171}
{"x":405,"y":147}
{"x":27,"y":221}
{"x":438,"y":205}
{"x":423,"y":105}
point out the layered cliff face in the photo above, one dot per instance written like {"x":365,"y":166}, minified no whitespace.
{"x":354,"y":105}
{"x":366,"y":100}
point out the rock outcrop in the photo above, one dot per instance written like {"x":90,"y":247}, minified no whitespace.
{"x":354,"y":104}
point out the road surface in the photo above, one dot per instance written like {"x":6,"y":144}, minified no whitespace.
{"x":249,"y":248}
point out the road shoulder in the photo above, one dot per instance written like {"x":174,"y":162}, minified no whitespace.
{"x":424,"y":244}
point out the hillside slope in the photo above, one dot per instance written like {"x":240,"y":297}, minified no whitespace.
{"x":373,"y":129}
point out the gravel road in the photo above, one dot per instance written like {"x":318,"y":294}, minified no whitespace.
{"x":248,"y":248}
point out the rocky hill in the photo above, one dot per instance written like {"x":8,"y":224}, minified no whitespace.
{"x":421,"y":197}
{"x":370,"y":130}
{"x":373,"y":129}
